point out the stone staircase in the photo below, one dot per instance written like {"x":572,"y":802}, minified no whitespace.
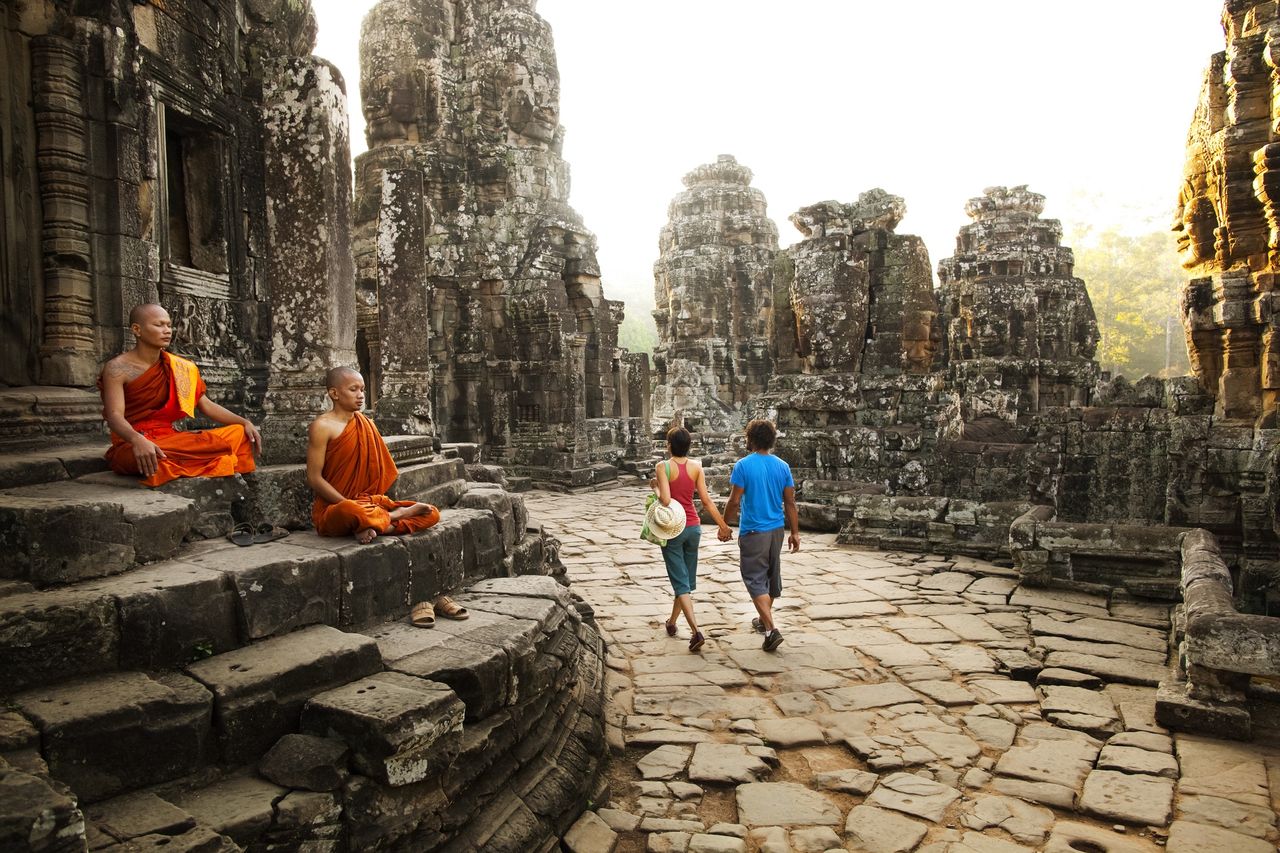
{"x":163,"y":687}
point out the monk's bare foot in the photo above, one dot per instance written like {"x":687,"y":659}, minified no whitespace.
{"x":364,"y":537}
{"x":411,"y":511}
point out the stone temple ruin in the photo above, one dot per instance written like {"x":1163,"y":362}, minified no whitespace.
{"x":461,"y":217}
{"x":160,"y":687}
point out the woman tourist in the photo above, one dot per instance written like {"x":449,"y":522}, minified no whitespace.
{"x":678,"y":478}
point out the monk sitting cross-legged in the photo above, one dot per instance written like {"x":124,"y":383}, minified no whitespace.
{"x":148,"y":388}
{"x":350,"y":469}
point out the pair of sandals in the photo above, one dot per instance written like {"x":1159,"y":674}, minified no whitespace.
{"x":423,"y":614}
{"x":245,"y":534}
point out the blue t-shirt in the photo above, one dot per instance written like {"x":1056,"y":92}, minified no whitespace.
{"x":762,"y":478}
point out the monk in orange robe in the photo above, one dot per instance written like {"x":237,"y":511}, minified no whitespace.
{"x":144,"y":391}
{"x":350,"y":470}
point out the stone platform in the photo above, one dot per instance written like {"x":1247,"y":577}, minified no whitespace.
{"x":918,"y":703}
{"x":162,"y":687}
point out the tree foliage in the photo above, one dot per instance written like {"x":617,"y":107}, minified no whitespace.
{"x":1135,"y":283}
{"x":638,"y":332}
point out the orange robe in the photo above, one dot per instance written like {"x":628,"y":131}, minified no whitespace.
{"x":168,"y":391}
{"x":358,"y":464}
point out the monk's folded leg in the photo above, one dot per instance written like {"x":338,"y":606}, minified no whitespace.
{"x":349,"y":517}
{"x":412,"y":516}
{"x":239,"y":446}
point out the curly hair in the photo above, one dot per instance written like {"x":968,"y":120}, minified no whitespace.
{"x":679,"y":440}
{"x":761,"y":435}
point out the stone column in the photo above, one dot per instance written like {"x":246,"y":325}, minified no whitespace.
{"x":404,"y":363}
{"x":309,"y":272}
{"x":68,"y":349}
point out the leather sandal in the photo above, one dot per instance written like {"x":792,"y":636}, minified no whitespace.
{"x":451,"y":609}
{"x":423,"y":615}
{"x":242,"y":535}
{"x":268,"y":532}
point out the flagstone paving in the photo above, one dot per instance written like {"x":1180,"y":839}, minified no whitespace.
{"x":891,"y":720}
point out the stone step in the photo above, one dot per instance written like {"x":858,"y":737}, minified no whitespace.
{"x":51,"y":465}
{"x":418,"y":762}
{"x":215,"y":597}
{"x":106,"y":734}
{"x":259,"y":690}
{"x":62,"y":532}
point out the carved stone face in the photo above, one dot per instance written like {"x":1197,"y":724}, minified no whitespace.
{"x":918,"y":344}
{"x":532,"y":108}
{"x":1195,"y":224}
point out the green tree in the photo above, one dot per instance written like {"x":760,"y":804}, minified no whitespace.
{"x":638,"y":332}
{"x":1135,"y":284}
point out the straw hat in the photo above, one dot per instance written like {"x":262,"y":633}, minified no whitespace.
{"x":665,"y":522}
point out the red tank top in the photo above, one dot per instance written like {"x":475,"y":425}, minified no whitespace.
{"x":682,"y":492}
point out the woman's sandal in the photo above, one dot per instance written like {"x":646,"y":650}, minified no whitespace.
{"x":242,"y":534}
{"x":423,"y":615}
{"x":451,"y":609}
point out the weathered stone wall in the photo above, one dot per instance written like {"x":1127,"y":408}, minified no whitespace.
{"x":190,"y":152}
{"x":713,"y":285}
{"x":462,"y":218}
{"x":855,"y":339}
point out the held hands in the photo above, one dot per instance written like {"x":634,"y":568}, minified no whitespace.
{"x":725,"y":533}
{"x":793,"y":541}
{"x":147,"y":455}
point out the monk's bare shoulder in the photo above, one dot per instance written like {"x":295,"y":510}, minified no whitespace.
{"x":325,"y":427}
{"x":123,"y":369}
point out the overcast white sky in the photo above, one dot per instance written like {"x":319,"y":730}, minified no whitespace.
{"x":1087,"y":102}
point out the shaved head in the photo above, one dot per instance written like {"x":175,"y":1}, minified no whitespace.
{"x":337,"y":375}
{"x":140,"y":313}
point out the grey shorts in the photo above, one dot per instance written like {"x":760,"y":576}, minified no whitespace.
{"x":760,"y":559}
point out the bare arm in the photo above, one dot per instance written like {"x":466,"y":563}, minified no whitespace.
{"x":700,"y":482}
{"x":664,"y":487}
{"x":145,"y":452}
{"x":793,"y":517}
{"x":317,"y":445}
{"x":731,"y":508}
{"x":226,"y":417}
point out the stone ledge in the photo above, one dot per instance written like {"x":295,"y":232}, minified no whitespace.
{"x":259,"y":690}
{"x":73,"y":530}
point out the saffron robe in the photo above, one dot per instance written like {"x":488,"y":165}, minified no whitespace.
{"x":168,"y":391}
{"x":358,"y":464}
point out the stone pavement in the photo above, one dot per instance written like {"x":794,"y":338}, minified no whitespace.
{"x":919,"y":703}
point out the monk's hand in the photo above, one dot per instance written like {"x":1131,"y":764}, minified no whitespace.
{"x":255,"y":438}
{"x":147,"y":455}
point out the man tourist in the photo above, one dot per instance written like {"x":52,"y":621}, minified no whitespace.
{"x":148,"y":388}
{"x":763,"y":488}
{"x":350,"y":470}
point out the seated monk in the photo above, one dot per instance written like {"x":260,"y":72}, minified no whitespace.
{"x":350,"y":469}
{"x":148,"y":388}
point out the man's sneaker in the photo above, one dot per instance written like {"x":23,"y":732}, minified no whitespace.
{"x":757,"y":624}
{"x":772,"y":640}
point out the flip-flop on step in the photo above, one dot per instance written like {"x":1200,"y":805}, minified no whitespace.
{"x":450,"y":609}
{"x":423,"y":615}
{"x":242,"y":534}
{"x":268,"y":532}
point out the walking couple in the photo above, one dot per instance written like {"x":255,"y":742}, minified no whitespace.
{"x":763,"y":491}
